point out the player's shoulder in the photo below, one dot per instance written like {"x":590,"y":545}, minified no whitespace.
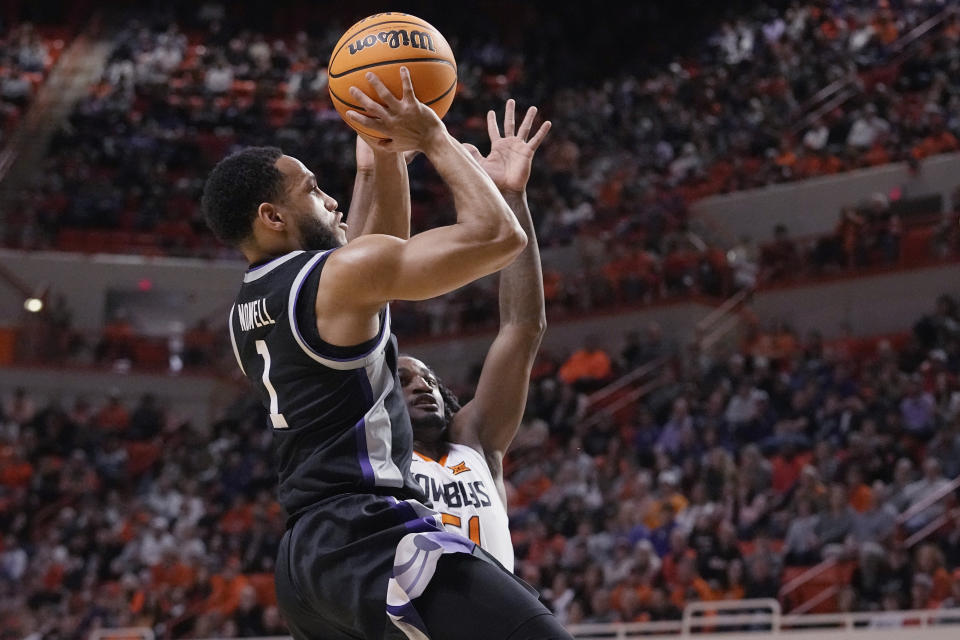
{"x":360,"y":268}
{"x":367,"y":249}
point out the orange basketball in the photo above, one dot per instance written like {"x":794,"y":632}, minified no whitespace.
{"x":382,"y":43}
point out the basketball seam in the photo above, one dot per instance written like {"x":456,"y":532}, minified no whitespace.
{"x":439,"y":97}
{"x":383,"y":62}
{"x":349,"y":104}
{"x":354,"y":35}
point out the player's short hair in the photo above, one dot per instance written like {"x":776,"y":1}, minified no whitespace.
{"x":236,"y":187}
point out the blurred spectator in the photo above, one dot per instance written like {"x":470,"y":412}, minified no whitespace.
{"x":587,"y":368}
{"x":780,"y":259}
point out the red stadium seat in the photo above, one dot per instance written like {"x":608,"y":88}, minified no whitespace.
{"x":915,"y":246}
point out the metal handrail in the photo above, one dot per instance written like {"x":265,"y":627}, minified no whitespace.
{"x":917,"y":537}
{"x":820,"y":619}
{"x":929,"y":501}
{"x":715,"y":619}
{"x":807,"y":576}
{"x":823,"y":596}
{"x":719,"y":322}
{"x":124,"y":632}
{"x":806,"y":111}
{"x":926,"y":531}
{"x":622,"y":402}
{"x":727,"y":306}
{"x":778,"y":622}
{"x":601,"y":394}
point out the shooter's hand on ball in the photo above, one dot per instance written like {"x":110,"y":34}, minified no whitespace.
{"x":510,"y":157}
{"x":407,"y":123}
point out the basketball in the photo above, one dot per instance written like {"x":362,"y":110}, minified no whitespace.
{"x":382,"y":43}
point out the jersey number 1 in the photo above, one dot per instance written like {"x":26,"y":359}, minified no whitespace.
{"x":279,"y":422}
{"x":473,"y":525}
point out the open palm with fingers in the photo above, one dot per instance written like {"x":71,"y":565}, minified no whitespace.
{"x":511,"y":155}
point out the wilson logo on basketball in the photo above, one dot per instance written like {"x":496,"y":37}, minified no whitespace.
{"x":395,"y":39}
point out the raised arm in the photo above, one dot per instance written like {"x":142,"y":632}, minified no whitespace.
{"x":372,"y":270}
{"x":381,"y":194}
{"x":490,"y":421}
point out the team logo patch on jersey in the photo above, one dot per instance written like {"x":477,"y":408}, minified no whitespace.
{"x":459,"y":468}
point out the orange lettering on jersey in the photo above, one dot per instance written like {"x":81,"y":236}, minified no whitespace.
{"x":459,"y":468}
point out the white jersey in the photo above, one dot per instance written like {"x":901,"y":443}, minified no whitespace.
{"x":463,"y":491}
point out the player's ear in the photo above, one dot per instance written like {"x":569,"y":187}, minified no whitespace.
{"x":270,"y":216}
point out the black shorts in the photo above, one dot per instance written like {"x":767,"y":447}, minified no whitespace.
{"x":363,"y":567}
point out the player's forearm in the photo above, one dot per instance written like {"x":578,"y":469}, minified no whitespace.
{"x":381,"y":199}
{"x":482,"y":212}
{"x":521,"y":283}
{"x":361,"y":203}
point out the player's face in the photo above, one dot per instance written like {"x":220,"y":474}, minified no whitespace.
{"x":422,"y":393}
{"x":313,"y":214}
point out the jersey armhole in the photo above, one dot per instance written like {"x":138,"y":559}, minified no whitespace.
{"x":302,"y":315}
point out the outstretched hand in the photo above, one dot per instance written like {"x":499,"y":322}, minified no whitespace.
{"x":511,"y":155}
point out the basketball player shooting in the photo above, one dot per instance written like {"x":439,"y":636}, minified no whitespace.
{"x":311,"y":330}
{"x":458,"y":452}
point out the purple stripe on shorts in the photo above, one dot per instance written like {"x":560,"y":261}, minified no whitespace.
{"x":362,"y":457}
{"x":407,"y":614}
{"x":421,"y":525}
{"x":414,"y":524}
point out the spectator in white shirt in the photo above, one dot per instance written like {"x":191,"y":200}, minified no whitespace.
{"x":742,"y":406}
{"x":219,"y":78}
{"x":925,"y":488}
{"x":816,"y":136}
{"x":867,"y":128}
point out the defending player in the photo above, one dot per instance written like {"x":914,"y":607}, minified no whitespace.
{"x":311,"y":330}
{"x":458,"y":452}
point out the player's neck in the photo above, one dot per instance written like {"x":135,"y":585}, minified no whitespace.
{"x":264,"y":249}
{"x":259,"y":257}
{"x":433,"y":450}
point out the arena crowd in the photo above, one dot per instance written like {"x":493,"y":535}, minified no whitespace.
{"x":735,"y":471}
{"x":629,"y":154}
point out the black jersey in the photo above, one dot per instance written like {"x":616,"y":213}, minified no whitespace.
{"x":340,"y":424}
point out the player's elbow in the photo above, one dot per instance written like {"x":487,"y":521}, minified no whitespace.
{"x":527,"y":334}
{"x":538,"y":327}
{"x":507,"y":239}
{"x":511,"y":236}
{"x":514,"y":240}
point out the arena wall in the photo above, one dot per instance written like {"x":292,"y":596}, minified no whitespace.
{"x":812,"y":206}
{"x":196,"y":398}
{"x":879,"y":303}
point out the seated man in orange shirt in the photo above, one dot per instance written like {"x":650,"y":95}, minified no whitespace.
{"x":588,"y":368}
{"x":228,"y":588}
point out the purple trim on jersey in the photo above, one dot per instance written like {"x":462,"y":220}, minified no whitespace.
{"x":263,"y":264}
{"x":363,"y":455}
{"x":407,"y":614}
{"x":363,"y":458}
{"x":296,"y":328}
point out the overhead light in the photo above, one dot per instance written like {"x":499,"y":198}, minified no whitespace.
{"x":33,"y":305}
